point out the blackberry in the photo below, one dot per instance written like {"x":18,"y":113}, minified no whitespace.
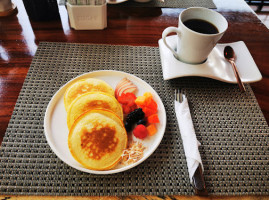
{"x":135,"y":116}
{"x":128,"y":126}
{"x":142,"y":121}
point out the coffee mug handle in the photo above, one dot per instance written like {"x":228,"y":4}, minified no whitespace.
{"x":168,"y":31}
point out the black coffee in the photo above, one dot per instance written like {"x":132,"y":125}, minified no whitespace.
{"x":201,"y":26}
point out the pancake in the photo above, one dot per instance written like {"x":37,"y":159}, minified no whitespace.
{"x":83,"y":86}
{"x":108,"y":114}
{"x":96,"y":140}
{"x":92,"y":100}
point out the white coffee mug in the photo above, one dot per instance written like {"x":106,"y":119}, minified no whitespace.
{"x":194,"y":47}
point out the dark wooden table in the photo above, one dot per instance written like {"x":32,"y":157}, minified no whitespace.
{"x":19,"y":39}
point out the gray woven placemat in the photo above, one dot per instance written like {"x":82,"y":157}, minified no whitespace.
{"x":230,"y":126}
{"x":165,"y":4}
{"x":169,"y":4}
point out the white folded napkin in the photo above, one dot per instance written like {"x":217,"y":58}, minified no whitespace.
{"x":190,"y":143}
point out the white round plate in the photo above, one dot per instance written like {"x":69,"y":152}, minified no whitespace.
{"x":56,"y":130}
{"x":115,"y":1}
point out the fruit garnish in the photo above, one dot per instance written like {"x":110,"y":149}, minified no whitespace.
{"x":125,"y":86}
{"x":153,"y":119}
{"x":147,"y":95}
{"x":140,"y":131}
{"x":147,"y":103}
{"x":150,"y":103}
{"x":140,"y":100}
{"x":141,"y":121}
{"x":148,"y":111}
{"x":128,"y":126}
{"x":127,"y":101}
{"x":127,"y":98}
{"x":151,"y":129}
{"x":134,"y":116}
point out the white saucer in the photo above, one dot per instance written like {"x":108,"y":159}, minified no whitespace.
{"x":216,"y":67}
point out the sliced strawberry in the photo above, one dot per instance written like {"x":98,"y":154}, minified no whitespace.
{"x":126,"y":98}
{"x":128,"y":102}
{"x":126,"y":109}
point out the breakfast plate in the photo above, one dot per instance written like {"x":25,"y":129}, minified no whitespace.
{"x":115,"y":1}
{"x":56,"y":130}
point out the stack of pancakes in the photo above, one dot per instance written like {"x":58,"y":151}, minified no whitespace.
{"x":97,"y":137}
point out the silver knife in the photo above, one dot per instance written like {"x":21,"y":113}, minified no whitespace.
{"x":199,"y":182}
{"x":198,"y":177}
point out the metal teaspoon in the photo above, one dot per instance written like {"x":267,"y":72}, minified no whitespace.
{"x":230,"y":56}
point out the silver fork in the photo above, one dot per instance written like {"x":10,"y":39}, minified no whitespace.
{"x":198,"y":177}
{"x":179,"y":95}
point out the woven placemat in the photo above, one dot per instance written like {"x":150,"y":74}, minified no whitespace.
{"x":229,"y":124}
{"x":169,"y":4}
{"x":165,"y":4}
